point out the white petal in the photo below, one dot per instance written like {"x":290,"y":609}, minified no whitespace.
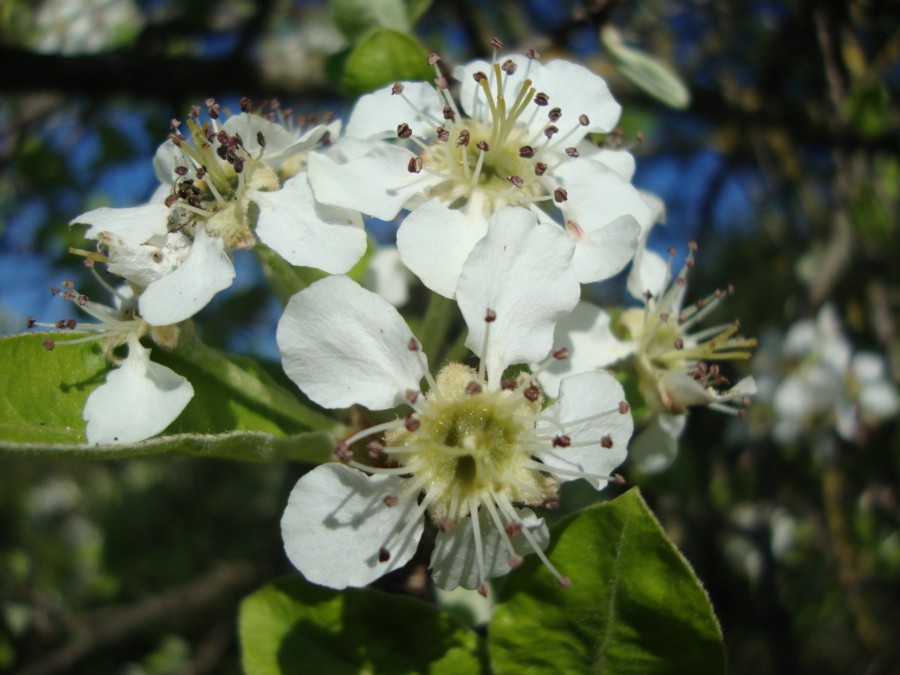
{"x":868,"y":367}
{"x":800,"y":339}
{"x":307,"y":233}
{"x":522,"y":271}
{"x":434,"y":242}
{"x":377,"y":184}
{"x":655,"y":448}
{"x":139,"y":400}
{"x":454,"y":562}
{"x":377,"y":115}
{"x":620,"y":161}
{"x":135,"y":224}
{"x":388,"y":276}
{"x":342,"y":344}
{"x":586,"y":333}
{"x":605,"y":250}
{"x":181,"y":294}
{"x":879,"y":400}
{"x":649,"y":273}
{"x":588,"y":410}
{"x":336,"y":522}
{"x":280,"y":143}
{"x":143,"y":264}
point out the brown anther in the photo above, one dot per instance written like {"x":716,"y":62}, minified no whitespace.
{"x":383,"y":555}
{"x":515,"y":561}
{"x":693,"y":245}
{"x":483,"y":590}
{"x":375,"y":450}
{"x":403,"y":130}
{"x":550,"y":131}
{"x":81,"y":300}
{"x":49,"y":344}
{"x":61,"y":324}
{"x":446,"y":524}
{"x":343,"y":452}
{"x":554,"y":114}
{"x":564,"y":582}
{"x":509,"y":67}
{"x":433,"y":58}
{"x":483,"y":146}
{"x":201,"y":172}
{"x":679,"y":343}
{"x":618,"y":479}
{"x":181,"y":171}
{"x":623,"y":407}
{"x":171,"y":199}
{"x":496,"y":43}
{"x":411,"y":423}
{"x":479,"y":76}
{"x":238,"y":165}
{"x":539,"y":169}
{"x":31,"y":322}
{"x":606,"y":441}
{"x":246,"y":104}
{"x":68,"y":283}
{"x":560,"y":195}
{"x":513,"y":528}
{"x":561,"y":354}
{"x":541,"y":98}
{"x":195,"y":111}
{"x":532,"y":393}
{"x":414,"y":165}
{"x":449,"y":114}
{"x":516,"y":180}
{"x":441,"y":83}
{"x":413,"y":345}
{"x":397,"y":88}
{"x":507,"y":384}
{"x":260,"y":139}
{"x":213,"y":110}
{"x":390,"y":500}
{"x":526,"y":152}
{"x":411,"y":395}
{"x":561,"y":441}
{"x":551,"y":502}
{"x":443,"y":135}
{"x":463,"y":138}
{"x":584,"y":120}
{"x":490,"y":315}
{"x":532,"y":54}
{"x":572,"y":152}
{"x":473,"y":388}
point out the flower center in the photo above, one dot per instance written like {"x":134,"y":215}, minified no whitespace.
{"x":468,"y":446}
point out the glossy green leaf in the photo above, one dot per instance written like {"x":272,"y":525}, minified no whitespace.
{"x":645,"y":72}
{"x":355,"y":18}
{"x":291,"y":626}
{"x":382,"y":57}
{"x":634,"y":606}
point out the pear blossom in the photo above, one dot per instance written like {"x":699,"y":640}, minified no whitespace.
{"x":140,"y":398}
{"x":830,"y":384}
{"x":223,"y":185}
{"x":476,"y":452}
{"x":675,"y":367}
{"x":517,"y":135}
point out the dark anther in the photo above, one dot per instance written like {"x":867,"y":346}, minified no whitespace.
{"x":561,"y":354}
{"x":554,"y":114}
{"x":397,"y":88}
{"x":496,"y":43}
{"x":433,"y":58}
{"x":532,"y":393}
{"x":48,"y":344}
{"x":171,"y":199}
{"x":411,"y":423}
{"x":572,"y":152}
{"x":539,"y":169}
{"x":411,"y":395}
{"x":413,"y":345}
{"x":238,"y":164}
{"x":479,"y":76}
{"x":246,"y":104}
{"x":584,"y":120}
{"x":526,"y":152}
{"x":448,"y":113}
{"x":561,"y":441}
{"x":403,"y":130}
{"x":541,"y":98}
{"x":31,"y":322}
{"x":343,"y":452}
{"x":390,"y":500}
{"x":483,"y":146}
{"x":550,"y":131}
{"x":606,"y":441}
{"x":414,"y":165}
{"x":383,"y":555}
{"x":560,"y":195}
{"x":509,"y":67}
{"x":513,"y":528}
{"x":516,"y":180}
{"x":507,"y":384}
{"x":260,"y":139}
{"x":532,"y":54}
{"x":181,"y":170}
{"x":679,"y":343}
{"x":473,"y":388}
{"x":623,"y":407}
{"x":463,"y":138}
{"x":443,"y":134}
{"x":490,"y":316}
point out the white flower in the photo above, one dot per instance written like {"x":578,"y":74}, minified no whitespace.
{"x":223,"y":185}
{"x":830,"y":384}
{"x":387,"y":276}
{"x":675,"y":368}
{"x":140,"y":398}
{"x":475,"y":453}
{"x":517,"y":136}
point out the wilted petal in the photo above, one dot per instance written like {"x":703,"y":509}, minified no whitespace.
{"x":336,"y":524}
{"x":181,"y":294}
{"x":342,"y":344}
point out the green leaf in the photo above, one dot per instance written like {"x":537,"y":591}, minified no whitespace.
{"x":635,"y":605}
{"x":44,"y":392}
{"x":355,"y":18}
{"x":415,"y":10}
{"x":383,"y":57}
{"x":644,"y":71}
{"x":291,"y":626}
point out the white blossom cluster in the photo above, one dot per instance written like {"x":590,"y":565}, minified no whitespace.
{"x":508,"y":202}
